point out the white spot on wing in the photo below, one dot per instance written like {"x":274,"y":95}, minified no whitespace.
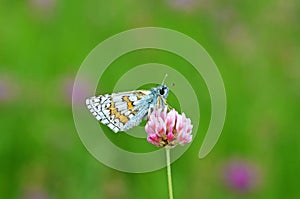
{"x":96,"y":104}
{"x":101,"y":115}
{"x":106,"y":112}
{"x":115,"y":129}
{"x":133,"y":98}
{"x":121,"y":106}
{"x":117,"y":97}
{"x":105,"y":121}
{"x":136,"y":103}
{"x":103,"y":99}
{"x":111,"y":126}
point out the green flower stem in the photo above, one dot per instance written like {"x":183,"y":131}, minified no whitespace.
{"x":169,"y":173}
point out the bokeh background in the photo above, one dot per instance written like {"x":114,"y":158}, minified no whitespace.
{"x":256,"y":46}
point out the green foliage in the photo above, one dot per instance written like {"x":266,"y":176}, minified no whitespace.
{"x":254,"y":44}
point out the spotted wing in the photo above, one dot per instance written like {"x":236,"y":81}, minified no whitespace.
{"x":120,"y":111}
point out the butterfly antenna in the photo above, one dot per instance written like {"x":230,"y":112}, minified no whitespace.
{"x":166,"y":75}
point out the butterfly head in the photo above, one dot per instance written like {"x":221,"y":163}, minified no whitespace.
{"x":163,"y":91}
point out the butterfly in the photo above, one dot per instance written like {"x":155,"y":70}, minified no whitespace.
{"x":125,"y":110}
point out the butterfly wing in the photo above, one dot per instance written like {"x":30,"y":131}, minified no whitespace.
{"x":120,"y":111}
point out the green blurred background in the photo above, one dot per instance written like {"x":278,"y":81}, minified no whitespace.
{"x":256,"y":46}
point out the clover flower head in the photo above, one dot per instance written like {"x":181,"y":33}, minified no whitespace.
{"x":168,"y":128}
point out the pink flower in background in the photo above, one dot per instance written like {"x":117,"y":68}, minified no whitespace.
{"x":240,"y":176}
{"x":43,"y":8}
{"x":4,"y":91}
{"x":168,"y":129}
{"x":43,"y":4}
{"x":8,"y":89}
{"x":35,"y":194}
{"x":182,"y":4}
{"x":78,"y":93}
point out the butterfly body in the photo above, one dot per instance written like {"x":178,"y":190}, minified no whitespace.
{"x":124,"y":110}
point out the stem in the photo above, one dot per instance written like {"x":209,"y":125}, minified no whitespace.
{"x":169,"y":173}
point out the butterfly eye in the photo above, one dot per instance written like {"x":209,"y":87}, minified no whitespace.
{"x":162,"y":91}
